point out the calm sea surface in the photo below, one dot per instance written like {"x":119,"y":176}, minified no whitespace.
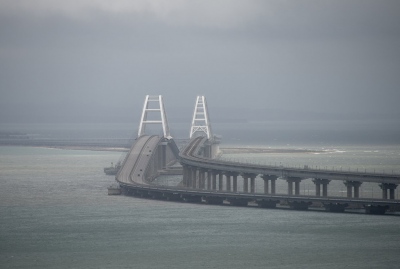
{"x":55,"y":213}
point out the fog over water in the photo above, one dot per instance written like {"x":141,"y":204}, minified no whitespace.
{"x":320,"y":75}
{"x":94,"y":61}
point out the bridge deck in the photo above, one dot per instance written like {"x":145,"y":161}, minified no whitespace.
{"x":137,"y":160}
{"x":189,"y":157}
{"x":131,"y":178}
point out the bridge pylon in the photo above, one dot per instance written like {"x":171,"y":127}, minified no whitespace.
{"x":153,"y":104}
{"x":200,"y":121}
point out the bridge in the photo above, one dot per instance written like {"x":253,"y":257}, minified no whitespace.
{"x":214,"y":181}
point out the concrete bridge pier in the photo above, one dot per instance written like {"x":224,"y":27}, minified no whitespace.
{"x":186,"y":176}
{"x":220,"y":181}
{"x":245,"y":183}
{"x":296,"y":181}
{"x":234,"y":181}
{"x":194,"y":177}
{"x":228,"y":180}
{"x":350,"y":185}
{"x":189,"y":176}
{"x":202,"y":179}
{"x":266,"y":179}
{"x":253,"y":183}
{"x":162,"y":155}
{"x":208,"y":172}
{"x":388,"y":186}
{"x":318,"y":182}
{"x":214,"y":179}
{"x":246,"y":177}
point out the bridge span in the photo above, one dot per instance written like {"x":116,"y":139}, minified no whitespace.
{"x":200,"y":183}
{"x":192,"y":161}
{"x":214,"y":181}
{"x":148,"y":157}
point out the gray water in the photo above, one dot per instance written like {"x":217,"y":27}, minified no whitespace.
{"x":55,"y":211}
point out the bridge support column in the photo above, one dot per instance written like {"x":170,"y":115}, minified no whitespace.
{"x":273,"y":184}
{"x":325,"y":188}
{"x":349,"y":191}
{"x":296,"y":181}
{"x":202,"y":179}
{"x":208,"y":179}
{"x":246,"y":177}
{"x":266,"y":179}
{"x":245,"y":183}
{"x":194,"y":177}
{"x":220,"y":182}
{"x":318,"y":182}
{"x":189,"y":174}
{"x":253,"y":183}
{"x":391,"y":191}
{"x":162,"y":155}
{"x":228,"y":181}
{"x":357,"y":190}
{"x":214,"y":179}
{"x":388,"y":186}
{"x":234,"y":175}
{"x":185,"y":176}
{"x":350,"y":185}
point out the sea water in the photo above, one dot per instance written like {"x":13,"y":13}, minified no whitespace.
{"x":55,"y":213}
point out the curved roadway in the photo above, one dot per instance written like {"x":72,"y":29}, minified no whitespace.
{"x":131,"y":176}
{"x":189,"y":157}
{"x":137,"y":160}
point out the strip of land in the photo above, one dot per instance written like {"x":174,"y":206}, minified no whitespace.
{"x":238,"y":150}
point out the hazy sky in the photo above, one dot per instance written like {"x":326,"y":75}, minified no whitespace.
{"x":97,"y":59}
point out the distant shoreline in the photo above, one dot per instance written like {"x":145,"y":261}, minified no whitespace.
{"x":71,"y":147}
{"x":120,"y":148}
{"x":115,"y":149}
{"x":239,"y":150}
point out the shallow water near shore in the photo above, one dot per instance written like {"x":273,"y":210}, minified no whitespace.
{"x":55,"y":213}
